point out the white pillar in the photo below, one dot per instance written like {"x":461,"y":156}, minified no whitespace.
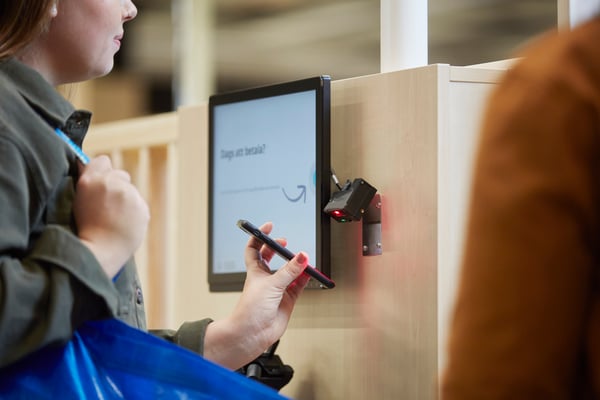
{"x":404,"y":41}
{"x":574,"y":12}
{"x":194,"y":72}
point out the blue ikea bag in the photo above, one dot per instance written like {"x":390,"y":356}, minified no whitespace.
{"x":108,"y":359}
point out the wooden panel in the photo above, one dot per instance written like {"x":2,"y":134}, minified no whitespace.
{"x":171,"y":193}
{"x":158,"y":243}
{"x":144,"y":148}
{"x":192,"y":230}
{"x":383,"y":130}
{"x":464,"y":95}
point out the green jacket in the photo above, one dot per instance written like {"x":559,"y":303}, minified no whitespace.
{"x":50,"y":283}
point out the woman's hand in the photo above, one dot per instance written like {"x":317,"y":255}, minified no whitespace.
{"x":263,"y":310}
{"x":111,"y":215}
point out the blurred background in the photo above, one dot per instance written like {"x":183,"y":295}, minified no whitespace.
{"x":255,"y":42}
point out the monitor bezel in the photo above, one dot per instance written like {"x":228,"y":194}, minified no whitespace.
{"x":228,"y":282}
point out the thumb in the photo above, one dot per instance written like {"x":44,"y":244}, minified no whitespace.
{"x":287,"y":274}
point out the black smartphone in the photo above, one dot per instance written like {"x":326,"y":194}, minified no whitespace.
{"x":252,"y":230}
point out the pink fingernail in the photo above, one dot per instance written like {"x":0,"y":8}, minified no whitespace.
{"x":301,"y":258}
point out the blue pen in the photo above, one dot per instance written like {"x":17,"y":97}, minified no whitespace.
{"x":76,"y":149}
{"x":84,"y":160}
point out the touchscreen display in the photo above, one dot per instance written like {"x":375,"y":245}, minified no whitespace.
{"x":269,"y":161}
{"x":264,"y":171}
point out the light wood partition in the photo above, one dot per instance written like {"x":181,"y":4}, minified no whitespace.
{"x":381,"y":333}
{"x":147,"y":148}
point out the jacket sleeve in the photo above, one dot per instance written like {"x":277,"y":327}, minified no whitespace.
{"x":190,"y":335}
{"x":49,"y":282}
{"x":526,"y":286}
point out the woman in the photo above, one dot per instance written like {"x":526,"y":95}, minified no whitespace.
{"x":69,"y":231}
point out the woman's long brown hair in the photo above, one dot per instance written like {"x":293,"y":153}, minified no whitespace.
{"x":21,"y":21}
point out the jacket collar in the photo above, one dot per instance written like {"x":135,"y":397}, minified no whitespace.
{"x":46,"y":100}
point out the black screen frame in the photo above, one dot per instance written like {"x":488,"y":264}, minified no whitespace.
{"x":229,"y":282}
